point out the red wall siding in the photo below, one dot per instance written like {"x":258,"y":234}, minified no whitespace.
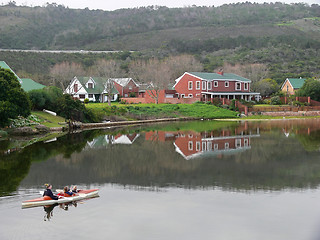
{"x":183,"y":86}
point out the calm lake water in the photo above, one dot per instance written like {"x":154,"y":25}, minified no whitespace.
{"x":190,"y":180}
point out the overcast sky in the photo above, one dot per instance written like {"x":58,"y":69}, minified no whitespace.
{"x":117,"y":4}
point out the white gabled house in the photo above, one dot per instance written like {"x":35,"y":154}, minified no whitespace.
{"x":93,"y":88}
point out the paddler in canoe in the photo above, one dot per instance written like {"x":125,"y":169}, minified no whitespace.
{"x":48,"y":192}
{"x":67,"y":192}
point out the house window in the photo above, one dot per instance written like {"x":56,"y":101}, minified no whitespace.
{"x":204,"y":146}
{"x":198,"y":85}
{"x":215,"y":83}
{"x":90,"y":96}
{"x":246,"y":142}
{"x":82,"y":96}
{"x":190,"y":85}
{"x":209,"y":85}
{"x":226,"y":84}
{"x":190,"y":145}
{"x":204,"y":85}
{"x":190,"y":96}
{"x":130,"y":87}
{"x":246,"y":86}
{"x":182,"y":95}
{"x":198,"y":146}
{"x":216,"y":146}
{"x":238,"y":85}
{"x":238,"y":143}
{"x":75,"y":87}
{"x":209,"y":146}
{"x":90,"y":85}
{"x":190,"y":135}
{"x":226,"y":145}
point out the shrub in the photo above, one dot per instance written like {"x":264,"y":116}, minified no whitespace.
{"x":275,"y":100}
{"x":86,"y":101}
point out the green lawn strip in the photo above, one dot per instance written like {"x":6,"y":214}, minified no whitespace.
{"x":49,"y":120}
{"x":197,"y":110}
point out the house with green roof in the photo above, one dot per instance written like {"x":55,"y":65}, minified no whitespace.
{"x":95,"y":89}
{"x":291,"y":85}
{"x":27,"y":84}
{"x":207,"y":86}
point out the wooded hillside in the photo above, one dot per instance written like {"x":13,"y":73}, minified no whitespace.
{"x":283,"y":37}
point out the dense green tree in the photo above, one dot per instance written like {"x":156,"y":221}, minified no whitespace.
{"x":13,"y":100}
{"x":265,"y":87}
{"x":310,"y":88}
{"x":45,"y":98}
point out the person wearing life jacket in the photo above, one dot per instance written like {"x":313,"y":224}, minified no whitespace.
{"x":48,"y":192}
{"x":74,"y":189}
{"x":67,"y":192}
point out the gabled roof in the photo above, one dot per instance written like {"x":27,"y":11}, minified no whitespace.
{"x":217,"y":76}
{"x":5,"y":66}
{"x":28,"y":84}
{"x":296,"y":83}
{"x":123,"y":81}
{"x":98,"y":86}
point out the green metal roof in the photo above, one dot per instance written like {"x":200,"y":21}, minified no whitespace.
{"x":296,"y":83}
{"x":5,"y":66}
{"x":98,"y":87}
{"x":28,"y":84}
{"x":216,"y":76}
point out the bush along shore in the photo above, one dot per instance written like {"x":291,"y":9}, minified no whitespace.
{"x":118,"y":114}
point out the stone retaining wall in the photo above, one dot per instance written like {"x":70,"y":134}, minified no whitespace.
{"x":285,"y":114}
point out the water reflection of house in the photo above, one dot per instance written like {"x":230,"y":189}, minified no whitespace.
{"x":191,"y":144}
{"x":104,"y":140}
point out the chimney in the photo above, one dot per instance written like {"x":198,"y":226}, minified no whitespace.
{"x":220,"y":71}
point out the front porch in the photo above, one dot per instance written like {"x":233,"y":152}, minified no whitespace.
{"x":247,"y":96}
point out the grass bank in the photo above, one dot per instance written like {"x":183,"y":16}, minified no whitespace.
{"x":49,"y":120}
{"x":154,"y":111}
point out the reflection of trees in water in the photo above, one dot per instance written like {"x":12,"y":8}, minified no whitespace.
{"x":273,"y":162}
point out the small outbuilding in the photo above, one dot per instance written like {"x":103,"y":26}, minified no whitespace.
{"x":291,"y":85}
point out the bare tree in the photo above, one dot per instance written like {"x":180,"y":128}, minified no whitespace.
{"x":158,"y":74}
{"x":183,"y":63}
{"x":62,"y":73}
{"x":107,"y":69}
{"x":255,"y":72}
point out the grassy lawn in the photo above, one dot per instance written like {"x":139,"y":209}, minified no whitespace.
{"x":142,"y":111}
{"x":48,"y":120}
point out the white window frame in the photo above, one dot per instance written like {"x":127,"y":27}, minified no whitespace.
{"x":190,"y":85}
{"x":246,"y":142}
{"x":198,"y":146}
{"x":190,"y":145}
{"x":238,"y":83}
{"x":216,"y":146}
{"x":182,"y":95}
{"x":246,"y":86}
{"x":238,"y":143}
{"x":226,"y":84}
{"x":226,"y":145}
{"x":204,"y":85}
{"x":209,"y":146}
{"x":190,"y":95}
{"x":198,"y":85}
{"x":209,"y":85}
{"x":204,"y":146}
{"x":215,"y":84}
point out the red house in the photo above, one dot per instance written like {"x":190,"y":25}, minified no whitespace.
{"x":214,"y":85}
{"x":126,"y":87}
